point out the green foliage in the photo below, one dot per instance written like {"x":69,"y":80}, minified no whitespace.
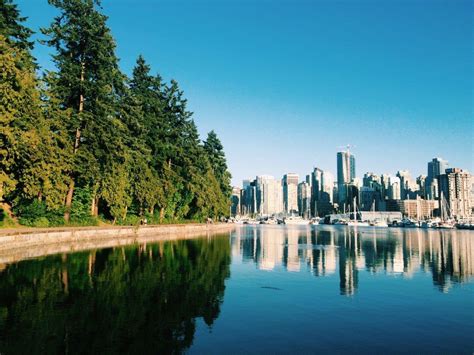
{"x":36,"y":214}
{"x":122,"y":300}
{"x":11,"y":26}
{"x":86,"y":141}
{"x":5,"y":219}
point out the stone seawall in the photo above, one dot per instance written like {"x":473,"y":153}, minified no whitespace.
{"x":17,"y":246}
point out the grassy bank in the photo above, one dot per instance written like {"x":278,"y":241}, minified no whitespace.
{"x":42,"y":219}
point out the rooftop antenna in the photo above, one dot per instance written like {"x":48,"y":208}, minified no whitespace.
{"x":346,"y":147}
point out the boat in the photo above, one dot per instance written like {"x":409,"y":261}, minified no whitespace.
{"x":315,"y":221}
{"x":446,"y":221}
{"x":270,"y":220}
{"x":465,"y":225}
{"x":295,"y":220}
{"x":379,"y":223}
{"x":447,"y":224}
{"x":356,"y":223}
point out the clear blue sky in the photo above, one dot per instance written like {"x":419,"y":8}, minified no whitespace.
{"x":285,"y":83}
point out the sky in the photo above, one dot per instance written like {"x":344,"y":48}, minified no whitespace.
{"x":286,"y":83}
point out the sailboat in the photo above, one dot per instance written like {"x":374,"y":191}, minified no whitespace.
{"x":355,"y":222}
{"x":446,"y":221}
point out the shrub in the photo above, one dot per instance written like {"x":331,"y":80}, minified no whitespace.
{"x":5,"y":220}
{"x":41,"y":222}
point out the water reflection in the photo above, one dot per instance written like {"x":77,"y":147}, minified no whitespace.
{"x":447,"y":255}
{"x":134,"y":299}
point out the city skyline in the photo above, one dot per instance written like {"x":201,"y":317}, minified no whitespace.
{"x":444,"y":190}
{"x":302,"y":86}
{"x":358,"y":173}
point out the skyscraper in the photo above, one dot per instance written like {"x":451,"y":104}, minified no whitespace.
{"x":316,"y":184}
{"x":304,"y":199}
{"x":454,"y":192}
{"x":248,"y":199}
{"x":346,"y":172}
{"x":290,"y":193}
{"x":405,"y":183}
{"x":269,"y":195}
{"x":436,"y":167}
{"x":235,"y":201}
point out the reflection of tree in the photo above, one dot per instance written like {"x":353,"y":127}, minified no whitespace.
{"x":132,"y":299}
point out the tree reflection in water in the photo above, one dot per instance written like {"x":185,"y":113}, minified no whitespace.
{"x":121,"y":300}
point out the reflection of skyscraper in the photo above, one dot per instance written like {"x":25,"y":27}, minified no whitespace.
{"x":448,"y":256}
{"x":348,"y":273}
{"x":272,"y":242}
{"x":293,"y":261}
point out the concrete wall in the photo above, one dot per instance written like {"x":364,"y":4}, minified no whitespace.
{"x":27,"y":244}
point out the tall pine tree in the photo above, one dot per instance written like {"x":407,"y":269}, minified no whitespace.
{"x":87,"y":82}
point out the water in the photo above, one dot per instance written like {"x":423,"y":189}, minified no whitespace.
{"x":263,"y":289}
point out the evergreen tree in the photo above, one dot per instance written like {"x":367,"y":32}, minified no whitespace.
{"x":11,"y":27}
{"x":124,"y":148}
{"x":87,"y":82}
{"x":216,"y":156}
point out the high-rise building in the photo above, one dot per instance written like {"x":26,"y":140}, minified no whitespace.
{"x":436,"y":167}
{"x":408,"y":186}
{"x":322,"y":185}
{"x":345,"y":173}
{"x":385,"y":182}
{"x":269,"y":195}
{"x":421,"y":182}
{"x":316,"y":184}
{"x":304,"y":199}
{"x":393,"y":192}
{"x":248,"y":197}
{"x":327,"y":186}
{"x":455,"y":193}
{"x":235,"y":201}
{"x":290,"y":193}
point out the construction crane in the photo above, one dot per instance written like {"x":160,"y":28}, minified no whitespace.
{"x":346,"y":147}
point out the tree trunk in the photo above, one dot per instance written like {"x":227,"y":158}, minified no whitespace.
{"x":95,"y":206}
{"x":162,"y":214}
{"x":125,"y":213}
{"x":70,"y":192}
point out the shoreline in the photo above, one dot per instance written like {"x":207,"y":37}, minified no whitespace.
{"x":32,"y":243}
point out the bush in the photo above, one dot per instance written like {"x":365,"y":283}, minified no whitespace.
{"x":36,"y":214}
{"x":84,"y":221}
{"x":130,"y":220}
{"x":41,"y":222}
{"x":5,"y":220}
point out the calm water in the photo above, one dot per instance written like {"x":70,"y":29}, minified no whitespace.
{"x":262,"y":289}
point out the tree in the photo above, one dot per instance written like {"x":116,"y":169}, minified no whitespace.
{"x":11,"y":27}
{"x":87,"y":83}
{"x":216,"y":156}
